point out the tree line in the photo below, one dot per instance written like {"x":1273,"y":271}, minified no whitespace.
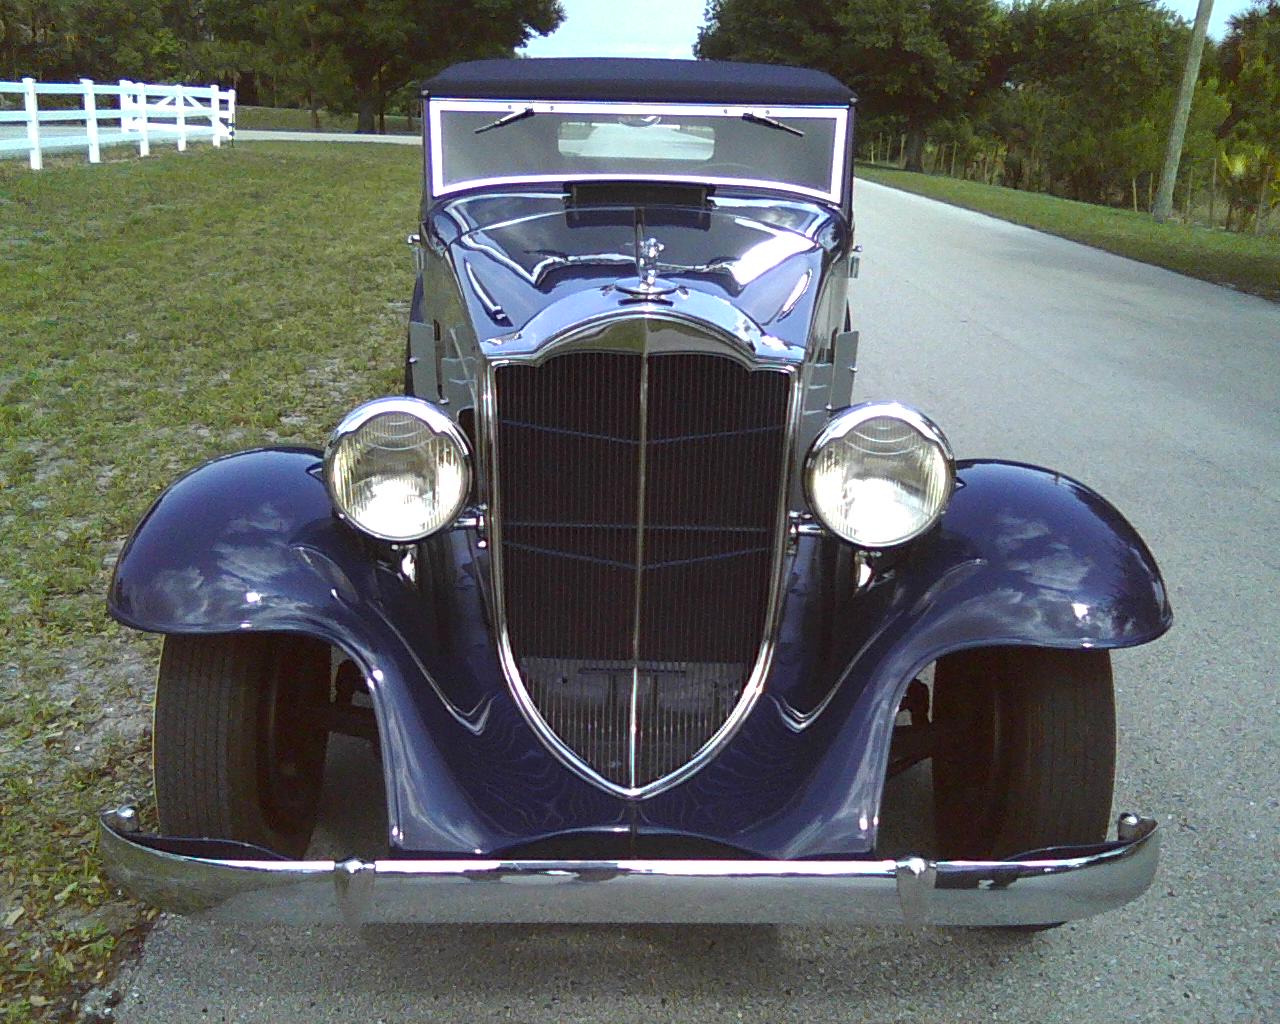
{"x":346,"y":55}
{"x":1069,"y":97}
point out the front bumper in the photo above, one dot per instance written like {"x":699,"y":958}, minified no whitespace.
{"x":240,"y":883}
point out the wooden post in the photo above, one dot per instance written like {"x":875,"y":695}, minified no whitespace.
{"x":140,"y":104}
{"x":1162,"y":205}
{"x":215,"y":115}
{"x":126,"y":104}
{"x":1213,"y":188}
{"x":180,"y":104}
{"x":902,"y":151}
{"x":1260,"y":219}
{"x":33,"y":122}
{"x":231,"y":114}
{"x":1133,"y":186}
{"x":91,"y":120}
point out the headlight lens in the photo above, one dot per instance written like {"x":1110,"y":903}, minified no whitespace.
{"x":398,"y":469}
{"x":879,"y":474}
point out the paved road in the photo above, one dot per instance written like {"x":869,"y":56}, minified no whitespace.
{"x":1161,"y":391}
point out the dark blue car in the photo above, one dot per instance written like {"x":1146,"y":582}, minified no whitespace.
{"x":639,"y":610}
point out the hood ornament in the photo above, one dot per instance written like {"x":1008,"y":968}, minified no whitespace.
{"x":646,"y":286}
{"x":647,"y":253}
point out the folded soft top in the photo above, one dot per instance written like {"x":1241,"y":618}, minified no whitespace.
{"x":637,"y":80}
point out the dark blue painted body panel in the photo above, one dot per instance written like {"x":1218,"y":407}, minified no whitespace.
{"x":250,"y":542}
{"x":1022,"y":556}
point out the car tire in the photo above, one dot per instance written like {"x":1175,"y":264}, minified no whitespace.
{"x":236,"y":755}
{"x":1026,"y":750}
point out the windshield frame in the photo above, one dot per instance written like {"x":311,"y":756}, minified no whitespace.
{"x":839,"y":115}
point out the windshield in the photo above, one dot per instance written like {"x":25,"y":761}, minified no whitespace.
{"x":483,"y":142}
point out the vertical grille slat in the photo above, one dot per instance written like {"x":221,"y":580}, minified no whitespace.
{"x":638,"y":497}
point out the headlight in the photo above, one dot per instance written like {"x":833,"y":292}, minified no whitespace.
{"x":398,"y":469}
{"x":879,"y":474}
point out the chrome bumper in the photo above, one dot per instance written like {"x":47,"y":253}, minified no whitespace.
{"x":1043,"y":887}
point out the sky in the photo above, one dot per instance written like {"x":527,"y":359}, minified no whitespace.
{"x":668,"y":28}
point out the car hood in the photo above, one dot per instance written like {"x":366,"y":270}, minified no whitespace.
{"x":516,"y":255}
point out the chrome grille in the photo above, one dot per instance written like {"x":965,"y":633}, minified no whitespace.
{"x":638,"y":498}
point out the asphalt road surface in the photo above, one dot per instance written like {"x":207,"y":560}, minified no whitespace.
{"x":1164,"y":394}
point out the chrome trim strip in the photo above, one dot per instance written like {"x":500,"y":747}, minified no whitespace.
{"x":438,"y":105}
{"x":567,"y":320}
{"x":487,"y":407}
{"x":637,"y":591}
{"x":1039,"y":887}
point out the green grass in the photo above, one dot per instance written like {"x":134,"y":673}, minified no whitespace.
{"x":288,"y":119}
{"x":1247,"y":262}
{"x":154,"y":313}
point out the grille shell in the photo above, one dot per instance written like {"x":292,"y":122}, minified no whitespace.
{"x":638,"y":505}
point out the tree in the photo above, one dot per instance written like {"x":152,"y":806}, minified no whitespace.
{"x":917,"y":61}
{"x":1251,"y":64}
{"x":352,"y":54}
{"x":1096,"y":82}
{"x":384,"y":44}
{"x":61,"y":40}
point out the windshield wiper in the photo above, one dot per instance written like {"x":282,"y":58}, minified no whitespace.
{"x":769,"y":122}
{"x":502,"y":122}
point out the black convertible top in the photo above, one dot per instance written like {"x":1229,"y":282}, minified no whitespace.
{"x":637,"y":80}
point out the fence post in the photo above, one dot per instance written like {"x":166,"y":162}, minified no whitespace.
{"x":33,"y":122}
{"x":180,"y":103}
{"x":215,"y":115}
{"x":126,"y":104}
{"x":231,"y":114}
{"x":1213,"y":189}
{"x":140,"y":104}
{"x":1264,"y":208}
{"x":91,"y":120}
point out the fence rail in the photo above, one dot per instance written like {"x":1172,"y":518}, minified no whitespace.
{"x":141,"y":114}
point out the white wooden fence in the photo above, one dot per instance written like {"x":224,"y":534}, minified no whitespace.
{"x":139,"y":115}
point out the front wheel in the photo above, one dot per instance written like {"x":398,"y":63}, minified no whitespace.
{"x":1026,"y":756}
{"x":238,"y":747}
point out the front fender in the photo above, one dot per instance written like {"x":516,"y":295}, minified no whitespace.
{"x":249,"y":543}
{"x":1026,"y":556}
{"x":1023,"y":556}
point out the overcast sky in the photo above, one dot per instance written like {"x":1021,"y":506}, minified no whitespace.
{"x":668,"y":28}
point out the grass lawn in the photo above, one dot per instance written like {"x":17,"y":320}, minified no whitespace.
{"x":1248,"y":262}
{"x":154,"y":313}
{"x":288,"y":119}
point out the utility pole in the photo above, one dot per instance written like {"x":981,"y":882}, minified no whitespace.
{"x":1178,"y":130}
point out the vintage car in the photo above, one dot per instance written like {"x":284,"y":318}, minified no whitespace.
{"x":638,"y":610}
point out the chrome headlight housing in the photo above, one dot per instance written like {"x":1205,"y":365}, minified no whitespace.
{"x":398,"y":469}
{"x":879,"y":474}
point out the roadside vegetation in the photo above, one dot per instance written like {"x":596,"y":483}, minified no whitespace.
{"x":365,"y":58}
{"x":1249,"y":262}
{"x":155,"y":313}
{"x":286,"y":119}
{"x":1072,"y":98}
